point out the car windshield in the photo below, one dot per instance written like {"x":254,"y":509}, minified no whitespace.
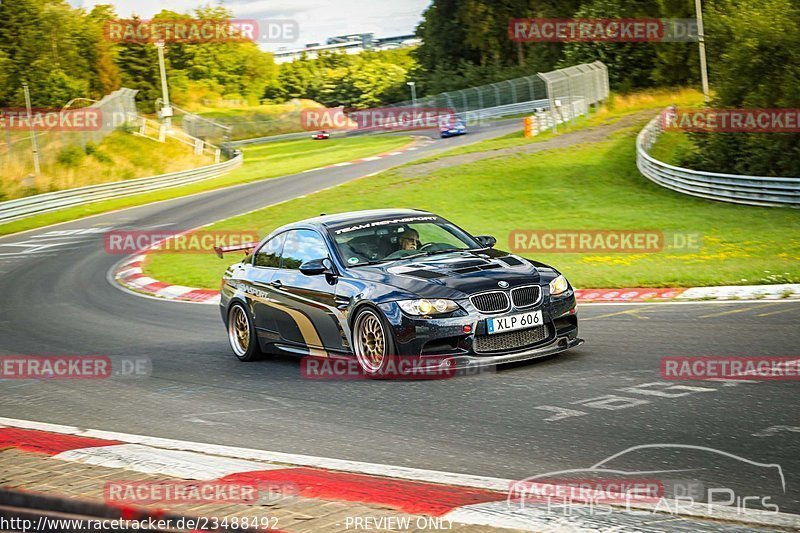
{"x":400,"y":238}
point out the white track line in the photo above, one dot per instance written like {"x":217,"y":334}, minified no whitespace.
{"x":699,"y":302}
{"x":148,"y":460}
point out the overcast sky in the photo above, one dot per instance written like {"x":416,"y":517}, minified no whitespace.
{"x":317,"y":19}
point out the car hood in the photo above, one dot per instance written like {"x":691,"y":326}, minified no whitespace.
{"x":456,"y":275}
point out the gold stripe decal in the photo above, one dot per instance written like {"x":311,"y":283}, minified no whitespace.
{"x":304,"y":324}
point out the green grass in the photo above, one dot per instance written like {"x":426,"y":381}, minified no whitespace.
{"x":262,"y":161}
{"x":590,"y":186}
{"x":672,"y":147}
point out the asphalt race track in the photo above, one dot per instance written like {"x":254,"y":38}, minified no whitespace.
{"x":570,"y":411}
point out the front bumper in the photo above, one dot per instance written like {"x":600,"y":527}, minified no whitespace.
{"x":466,"y":362}
{"x":454,"y":340}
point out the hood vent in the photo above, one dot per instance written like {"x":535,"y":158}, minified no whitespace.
{"x":510,"y":260}
{"x":425,"y":274}
{"x":470,"y":269}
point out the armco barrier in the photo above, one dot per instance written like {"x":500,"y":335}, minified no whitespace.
{"x":270,"y":138}
{"x":734,"y":188}
{"x":43,"y":203}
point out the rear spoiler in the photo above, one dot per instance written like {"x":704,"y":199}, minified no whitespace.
{"x":222,"y":250}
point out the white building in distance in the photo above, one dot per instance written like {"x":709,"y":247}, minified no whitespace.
{"x":350,"y":44}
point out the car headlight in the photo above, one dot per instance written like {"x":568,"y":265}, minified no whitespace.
{"x":558,"y":285}
{"x":427,"y":307}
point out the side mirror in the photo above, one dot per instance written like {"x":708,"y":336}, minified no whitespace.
{"x":486,"y":240}
{"x":315,"y":267}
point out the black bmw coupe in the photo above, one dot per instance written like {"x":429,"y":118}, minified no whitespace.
{"x":382,"y":284}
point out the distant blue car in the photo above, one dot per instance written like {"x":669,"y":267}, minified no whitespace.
{"x":452,"y":127}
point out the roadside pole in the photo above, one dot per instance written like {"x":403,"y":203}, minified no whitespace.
{"x":701,"y":41}
{"x":166,"y":110}
{"x":34,"y":143}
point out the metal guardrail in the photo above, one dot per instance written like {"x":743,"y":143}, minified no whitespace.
{"x":504,"y":110}
{"x":733,"y":188}
{"x":306,"y":135}
{"x":270,"y":138}
{"x":44,"y":203}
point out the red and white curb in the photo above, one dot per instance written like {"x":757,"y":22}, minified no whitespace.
{"x":129,"y":275}
{"x":728,"y":292}
{"x":416,"y":144}
{"x":454,"y":497}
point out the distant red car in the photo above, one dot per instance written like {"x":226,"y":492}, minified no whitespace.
{"x":321,"y":136}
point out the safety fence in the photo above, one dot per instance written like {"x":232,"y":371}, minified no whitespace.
{"x":158,"y":131}
{"x":566,"y":93}
{"x":115,"y":110}
{"x":244,"y":124}
{"x":734,"y":188}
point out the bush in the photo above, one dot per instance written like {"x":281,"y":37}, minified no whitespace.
{"x":754,"y":62}
{"x":92,"y":149}
{"x":71,"y":156}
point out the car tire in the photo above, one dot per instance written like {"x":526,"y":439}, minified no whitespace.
{"x":373,"y":344}
{"x":242,"y":334}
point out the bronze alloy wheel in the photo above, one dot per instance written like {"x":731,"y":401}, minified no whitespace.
{"x":370,"y":341}
{"x":239,"y":331}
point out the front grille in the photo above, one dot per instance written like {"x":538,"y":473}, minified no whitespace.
{"x":491,"y":302}
{"x":510,"y":340}
{"x":526,"y":296}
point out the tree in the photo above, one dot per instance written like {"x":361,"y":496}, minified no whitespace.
{"x":58,"y":50}
{"x":630,"y":65}
{"x":676,"y":63}
{"x":466,"y":42}
{"x":754,"y":62}
{"x":138,"y":64}
{"x":107,"y":77}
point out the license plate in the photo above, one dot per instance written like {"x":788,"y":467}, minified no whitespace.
{"x":514,"y":322}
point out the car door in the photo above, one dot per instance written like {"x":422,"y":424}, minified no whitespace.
{"x":266,"y":262}
{"x":306,"y":314}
